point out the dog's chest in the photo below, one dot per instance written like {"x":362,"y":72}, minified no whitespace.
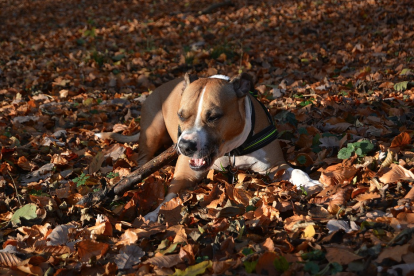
{"x":255,"y":161}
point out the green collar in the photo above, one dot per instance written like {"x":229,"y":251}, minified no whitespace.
{"x":260,"y":139}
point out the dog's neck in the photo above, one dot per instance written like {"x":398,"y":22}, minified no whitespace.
{"x":241,"y":138}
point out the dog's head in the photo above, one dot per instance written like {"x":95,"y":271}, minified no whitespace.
{"x":214,"y":118}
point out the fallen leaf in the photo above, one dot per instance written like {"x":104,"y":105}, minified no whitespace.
{"x":172,"y":211}
{"x":340,"y":255}
{"x":394,"y":253}
{"x":401,"y":140}
{"x":195,"y":269}
{"x":164,"y":260}
{"x":265,"y":264}
{"x":89,"y":248}
{"x":309,"y":232}
{"x":396,"y":173}
{"x":59,"y":235}
{"x":128,"y":256}
{"x":8,"y":259}
{"x":337,"y":174}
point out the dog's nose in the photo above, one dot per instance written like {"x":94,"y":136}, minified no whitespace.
{"x":187,"y":147}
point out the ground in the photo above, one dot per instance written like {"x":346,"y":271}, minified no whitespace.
{"x":336,"y":75}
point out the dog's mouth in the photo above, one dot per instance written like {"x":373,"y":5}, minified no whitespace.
{"x":201,"y":164}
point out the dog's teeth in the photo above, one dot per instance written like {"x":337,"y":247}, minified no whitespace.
{"x":204,"y":162}
{"x":189,"y":161}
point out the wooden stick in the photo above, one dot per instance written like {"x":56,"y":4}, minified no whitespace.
{"x":216,"y":6}
{"x":107,"y":195}
{"x":147,"y":169}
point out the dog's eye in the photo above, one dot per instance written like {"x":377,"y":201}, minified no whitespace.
{"x":181,"y":116}
{"x":214,"y":117}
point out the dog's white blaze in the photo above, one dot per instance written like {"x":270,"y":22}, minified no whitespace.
{"x":199,"y":109}
{"x":197,"y":132}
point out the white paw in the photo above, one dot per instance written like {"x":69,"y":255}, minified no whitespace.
{"x":300,"y":178}
{"x":152,"y":216}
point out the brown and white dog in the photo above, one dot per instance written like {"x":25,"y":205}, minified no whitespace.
{"x":207,"y":118}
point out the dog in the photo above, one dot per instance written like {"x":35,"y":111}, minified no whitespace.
{"x":214,"y":122}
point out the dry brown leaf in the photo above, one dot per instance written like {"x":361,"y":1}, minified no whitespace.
{"x":230,"y":191}
{"x":178,"y":233}
{"x":8,"y":259}
{"x":164,"y":260}
{"x":96,"y":163}
{"x":407,"y":217}
{"x":128,"y":256}
{"x":53,"y":250}
{"x":187,"y":254}
{"x":265,"y":264}
{"x":172,"y":211}
{"x":43,"y":201}
{"x":32,"y":265}
{"x":269,"y":244}
{"x":220,"y":267}
{"x":241,"y":196}
{"x":88,"y":249}
{"x":128,"y":237}
{"x":267,"y":211}
{"x":59,"y":160}
{"x":401,"y":140}
{"x":337,"y":174}
{"x":343,"y":256}
{"x":394,"y":253}
{"x":218,"y":202}
{"x":213,"y":195}
{"x":25,"y":164}
{"x":367,"y":196}
{"x":395,"y":173}
{"x":242,"y":179}
{"x":104,"y":228}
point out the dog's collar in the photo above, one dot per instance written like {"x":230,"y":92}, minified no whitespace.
{"x":222,"y":77}
{"x":260,"y":139}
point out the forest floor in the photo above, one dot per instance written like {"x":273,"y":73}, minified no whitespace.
{"x":337,"y":76}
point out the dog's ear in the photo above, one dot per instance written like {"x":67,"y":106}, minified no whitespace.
{"x":242,"y":84}
{"x":188,"y":79}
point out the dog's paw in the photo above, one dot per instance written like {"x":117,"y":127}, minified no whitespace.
{"x":152,"y":216}
{"x":300,"y":178}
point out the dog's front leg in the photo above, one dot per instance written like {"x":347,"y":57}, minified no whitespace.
{"x":184,"y":177}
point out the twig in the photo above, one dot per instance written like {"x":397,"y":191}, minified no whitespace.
{"x":147,"y":169}
{"x":128,"y":182}
{"x":15,"y":187}
{"x":212,"y":7}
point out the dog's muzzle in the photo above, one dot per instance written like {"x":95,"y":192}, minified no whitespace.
{"x":200,"y":159}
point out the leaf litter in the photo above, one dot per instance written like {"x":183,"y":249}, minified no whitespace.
{"x":336,"y":76}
